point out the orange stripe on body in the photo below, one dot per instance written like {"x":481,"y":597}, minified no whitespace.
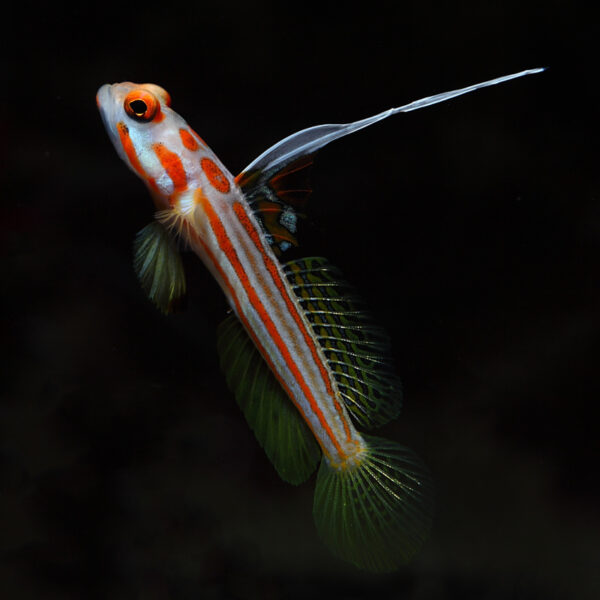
{"x":227,"y":248}
{"x":188,"y":140}
{"x":129,"y":148}
{"x":243,"y":319}
{"x":242,"y":215}
{"x":172,"y":165}
{"x":215,"y":175}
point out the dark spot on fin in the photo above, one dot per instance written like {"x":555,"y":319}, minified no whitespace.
{"x":276,"y":196}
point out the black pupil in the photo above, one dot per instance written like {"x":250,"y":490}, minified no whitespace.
{"x":138,"y":107}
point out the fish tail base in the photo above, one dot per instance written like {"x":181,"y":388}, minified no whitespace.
{"x":375,"y":512}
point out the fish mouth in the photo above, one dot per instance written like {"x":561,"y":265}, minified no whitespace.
{"x":104,"y":95}
{"x":110,"y":109}
{"x":104,"y":99}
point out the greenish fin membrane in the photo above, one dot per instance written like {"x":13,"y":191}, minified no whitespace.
{"x":377,"y":513}
{"x":357,"y":350}
{"x":277,"y":425}
{"x":158,"y":266}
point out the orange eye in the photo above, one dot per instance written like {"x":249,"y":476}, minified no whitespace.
{"x":142,"y":105}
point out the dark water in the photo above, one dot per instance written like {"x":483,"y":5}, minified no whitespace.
{"x":472,"y":228}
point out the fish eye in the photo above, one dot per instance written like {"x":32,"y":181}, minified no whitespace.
{"x":141,"y":105}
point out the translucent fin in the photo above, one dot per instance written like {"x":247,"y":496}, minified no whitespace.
{"x":279,"y":428}
{"x":356,"y":349}
{"x":275,"y":195}
{"x":310,"y":140}
{"x":158,"y":266}
{"x":377,"y":514}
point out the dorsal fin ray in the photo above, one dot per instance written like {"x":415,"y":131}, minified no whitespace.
{"x":308,"y":141}
{"x":356,"y":349}
{"x":273,"y":176}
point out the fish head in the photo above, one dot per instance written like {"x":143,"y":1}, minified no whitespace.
{"x":151,"y":138}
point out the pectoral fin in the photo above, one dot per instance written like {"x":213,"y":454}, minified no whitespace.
{"x":158,"y":266}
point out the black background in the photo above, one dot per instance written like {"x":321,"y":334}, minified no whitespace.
{"x":472,"y":228}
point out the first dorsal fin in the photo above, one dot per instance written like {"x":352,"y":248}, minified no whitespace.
{"x":308,"y":141}
{"x":273,"y":183}
{"x":276,"y":196}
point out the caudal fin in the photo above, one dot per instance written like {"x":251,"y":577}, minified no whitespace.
{"x":377,"y":513}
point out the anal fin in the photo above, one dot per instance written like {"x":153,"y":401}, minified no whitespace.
{"x":277,"y":425}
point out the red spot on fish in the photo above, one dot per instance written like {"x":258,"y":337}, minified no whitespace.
{"x":188,"y":140}
{"x":129,"y":148}
{"x":172,"y":165}
{"x":215,"y":175}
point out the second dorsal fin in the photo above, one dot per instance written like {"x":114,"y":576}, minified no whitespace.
{"x":356,"y":349}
